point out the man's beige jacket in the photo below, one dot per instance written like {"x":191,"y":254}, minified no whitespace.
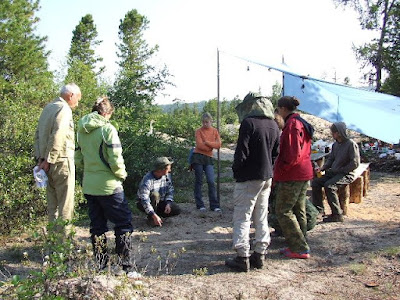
{"x":54,"y":139}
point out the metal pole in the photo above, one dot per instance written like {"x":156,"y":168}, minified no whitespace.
{"x":218,"y":128}
{"x":283,"y":78}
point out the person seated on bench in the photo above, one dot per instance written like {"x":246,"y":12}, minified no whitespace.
{"x":339,"y":167}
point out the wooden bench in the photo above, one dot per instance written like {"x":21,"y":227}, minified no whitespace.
{"x":355,"y":191}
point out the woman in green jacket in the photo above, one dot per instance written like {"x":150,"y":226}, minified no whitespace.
{"x":100,"y":153}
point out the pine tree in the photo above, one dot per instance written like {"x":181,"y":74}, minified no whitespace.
{"x":24,"y":71}
{"x":392,"y":57}
{"x":82,"y":62}
{"x":381,"y":16}
{"x":137,"y":82}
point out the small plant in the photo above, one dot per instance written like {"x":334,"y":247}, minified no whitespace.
{"x":200,"y":271}
{"x":392,"y":251}
{"x":357,"y":269}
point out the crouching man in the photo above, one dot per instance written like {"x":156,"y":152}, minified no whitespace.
{"x":156,"y":193}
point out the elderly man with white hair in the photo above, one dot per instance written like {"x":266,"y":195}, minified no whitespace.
{"x":54,"y":151}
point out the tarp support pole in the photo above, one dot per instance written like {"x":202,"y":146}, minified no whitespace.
{"x":218,"y":128}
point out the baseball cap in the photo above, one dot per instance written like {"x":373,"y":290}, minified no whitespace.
{"x":161,"y":162}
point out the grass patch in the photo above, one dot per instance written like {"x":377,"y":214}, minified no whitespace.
{"x":226,"y":179}
{"x":357,"y":269}
{"x":391,"y":251}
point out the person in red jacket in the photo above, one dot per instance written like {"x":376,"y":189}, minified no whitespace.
{"x":292,"y":172}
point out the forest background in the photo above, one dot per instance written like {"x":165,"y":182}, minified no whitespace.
{"x":146,"y":131}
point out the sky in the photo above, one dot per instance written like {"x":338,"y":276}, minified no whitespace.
{"x":312,"y":36}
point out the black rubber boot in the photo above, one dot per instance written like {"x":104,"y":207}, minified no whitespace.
{"x":238,"y":263}
{"x":257,"y":260}
{"x":123,"y":249}
{"x":99,"y":244}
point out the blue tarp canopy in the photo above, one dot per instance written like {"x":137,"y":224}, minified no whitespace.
{"x":374,"y":114}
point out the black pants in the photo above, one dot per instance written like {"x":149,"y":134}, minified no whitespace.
{"x":114,"y":208}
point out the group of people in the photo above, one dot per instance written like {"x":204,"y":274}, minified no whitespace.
{"x":99,"y":152}
{"x":266,"y":156}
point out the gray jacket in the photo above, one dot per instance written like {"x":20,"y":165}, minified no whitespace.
{"x":345,"y":156}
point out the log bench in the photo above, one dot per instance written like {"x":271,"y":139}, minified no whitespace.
{"x":355,"y":191}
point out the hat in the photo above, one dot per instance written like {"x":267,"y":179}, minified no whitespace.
{"x":161,"y":162}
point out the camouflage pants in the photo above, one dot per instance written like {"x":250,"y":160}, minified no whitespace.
{"x":291,"y":213}
{"x":311,"y":213}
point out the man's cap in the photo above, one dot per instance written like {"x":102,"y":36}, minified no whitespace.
{"x":161,"y":163}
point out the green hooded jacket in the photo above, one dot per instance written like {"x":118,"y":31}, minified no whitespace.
{"x":99,"y":151}
{"x":255,"y":105}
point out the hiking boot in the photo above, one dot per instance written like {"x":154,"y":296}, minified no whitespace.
{"x":99,"y":244}
{"x":277,"y":233}
{"x":303,"y":255}
{"x":240,"y":264}
{"x":333,"y":218}
{"x":257,"y":260}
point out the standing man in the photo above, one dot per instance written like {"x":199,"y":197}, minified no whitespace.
{"x":54,"y":151}
{"x":339,"y":167}
{"x":257,"y":147}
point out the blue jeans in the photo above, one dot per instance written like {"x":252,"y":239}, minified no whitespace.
{"x":212,"y":195}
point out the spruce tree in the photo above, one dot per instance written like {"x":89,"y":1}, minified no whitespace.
{"x":83,"y":62}
{"x":24,"y":71}
{"x":138,"y":82}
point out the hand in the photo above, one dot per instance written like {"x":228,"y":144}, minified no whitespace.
{"x":167,"y":209}
{"x":157,"y":220}
{"x":44,"y":165}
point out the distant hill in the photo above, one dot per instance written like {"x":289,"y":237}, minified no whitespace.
{"x":170,"y":107}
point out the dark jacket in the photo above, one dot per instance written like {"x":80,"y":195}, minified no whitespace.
{"x":257,"y":148}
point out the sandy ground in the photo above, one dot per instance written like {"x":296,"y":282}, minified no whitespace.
{"x":357,"y":259}
{"x":344,"y":260}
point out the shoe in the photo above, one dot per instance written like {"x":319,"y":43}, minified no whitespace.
{"x":333,"y":218}
{"x":277,"y":233}
{"x":290,"y":254}
{"x":202,"y":209}
{"x":257,"y":260}
{"x":240,"y":264}
{"x":284,"y":250}
{"x":217,"y":209}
